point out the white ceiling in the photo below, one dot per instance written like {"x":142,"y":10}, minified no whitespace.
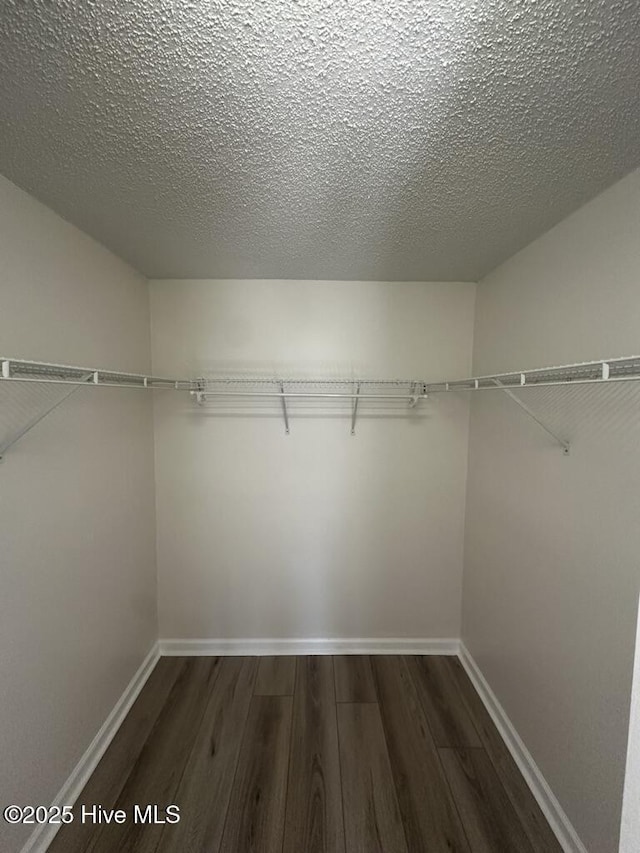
{"x":330,"y":139}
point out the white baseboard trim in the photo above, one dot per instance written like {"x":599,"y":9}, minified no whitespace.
{"x":43,"y":834}
{"x":553,"y":811}
{"x":312,"y":646}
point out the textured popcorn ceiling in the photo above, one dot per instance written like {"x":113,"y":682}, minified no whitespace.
{"x":349,"y":139}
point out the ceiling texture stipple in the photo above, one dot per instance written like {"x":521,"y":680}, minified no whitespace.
{"x":318,"y":139}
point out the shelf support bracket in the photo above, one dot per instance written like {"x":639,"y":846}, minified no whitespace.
{"x":198,"y":392}
{"x":418,"y":394}
{"x":564,"y":444}
{"x":40,"y":417}
{"x":284,"y":409}
{"x":354,"y":413}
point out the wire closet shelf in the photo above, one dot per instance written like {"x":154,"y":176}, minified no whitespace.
{"x":622,"y":369}
{"x":406,"y":392}
{"x":19,"y":370}
{"x":619,"y":369}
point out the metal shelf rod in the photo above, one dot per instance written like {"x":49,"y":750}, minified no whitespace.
{"x":180,"y":385}
{"x":308,"y":395}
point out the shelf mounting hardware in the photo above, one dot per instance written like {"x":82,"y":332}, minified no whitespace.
{"x":198,"y":391}
{"x":354,"y":414}
{"x":284,"y":409}
{"x":417,"y":395}
{"x":564,"y":444}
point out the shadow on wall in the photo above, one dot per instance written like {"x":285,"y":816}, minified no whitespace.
{"x":630,"y":824}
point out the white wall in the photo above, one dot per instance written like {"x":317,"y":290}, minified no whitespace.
{"x":552,"y":549}
{"x":77,"y":564}
{"x":630,"y":824}
{"x":315,"y":534}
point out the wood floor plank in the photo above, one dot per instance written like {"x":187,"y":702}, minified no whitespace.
{"x":156,"y":773}
{"x":354,"y":680}
{"x":205,"y":788}
{"x":371,"y":813}
{"x":108,"y":780}
{"x":489,"y":819}
{"x":314,"y":822}
{"x":443,"y":705}
{"x":255,"y":817}
{"x":276,"y":676}
{"x":430,"y":819}
{"x":540,"y":834}
{"x":199,"y":737}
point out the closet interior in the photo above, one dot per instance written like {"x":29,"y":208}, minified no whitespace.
{"x":332,"y":543}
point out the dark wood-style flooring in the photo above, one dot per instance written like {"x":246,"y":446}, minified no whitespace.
{"x":346,"y":754}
